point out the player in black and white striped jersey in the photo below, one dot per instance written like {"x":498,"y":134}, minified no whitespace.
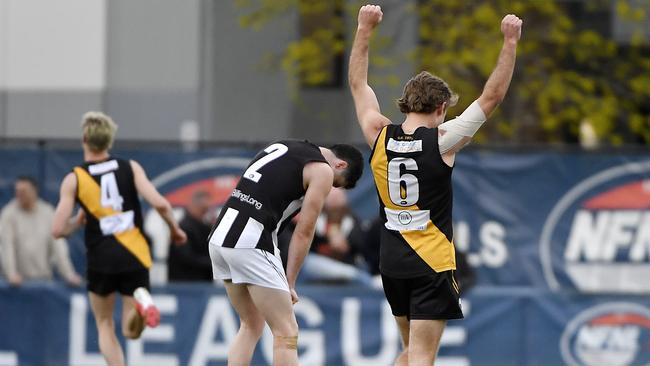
{"x":286,"y":177}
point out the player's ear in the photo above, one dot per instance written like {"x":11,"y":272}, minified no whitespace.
{"x":341,"y":164}
{"x":442,"y":109}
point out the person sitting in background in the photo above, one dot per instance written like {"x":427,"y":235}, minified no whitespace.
{"x":28,"y":249}
{"x":338,"y":239}
{"x":338,"y":232}
{"x":191,"y":261}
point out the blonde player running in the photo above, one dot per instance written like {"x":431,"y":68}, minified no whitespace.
{"x":117,"y":252}
{"x":412,"y":165}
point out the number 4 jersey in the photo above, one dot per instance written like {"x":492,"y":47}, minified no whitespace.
{"x":415,"y":197}
{"x":114,"y":238}
{"x":268,"y":195}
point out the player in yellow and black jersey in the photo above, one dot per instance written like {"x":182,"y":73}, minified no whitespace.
{"x":412,"y":165}
{"x":117,"y":252}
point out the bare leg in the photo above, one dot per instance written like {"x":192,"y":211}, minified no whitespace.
{"x":403,"y":326}
{"x":250,"y":327}
{"x":424,"y":341}
{"x":132,"y":321}
{"x":276,"y":308}
{"x":108,"y":344}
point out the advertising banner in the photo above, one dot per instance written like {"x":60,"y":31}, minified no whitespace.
{"x":49,"y":325}
{"x":572,"y":220}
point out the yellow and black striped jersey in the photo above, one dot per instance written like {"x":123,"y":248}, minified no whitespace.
{"x":113,"y":234}
{"x":415,"y":196}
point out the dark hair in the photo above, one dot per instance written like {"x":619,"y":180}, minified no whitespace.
{"x":29,"y":179}
{"x":424,"y":93}
{"x":353,"y":157}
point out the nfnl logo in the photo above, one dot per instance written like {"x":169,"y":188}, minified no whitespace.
{"x":597,"y":237}
{"x":613,"y":334}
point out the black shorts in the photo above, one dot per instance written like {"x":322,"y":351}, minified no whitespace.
{"x":433,"y":296}
{"x":125,"y":283}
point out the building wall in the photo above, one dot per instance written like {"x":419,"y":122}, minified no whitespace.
{"x":156,"y":64}
{"x":53,"y":65}
{"x":153,"y":64}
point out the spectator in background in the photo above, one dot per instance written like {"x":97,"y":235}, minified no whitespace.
{"x":28,"y":249}
{"x":338,"y":232}
{"x":336,"y":249}
{"x":191,"y":261}
{"x":371,"y":246}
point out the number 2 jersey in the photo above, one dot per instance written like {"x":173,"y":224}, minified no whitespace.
{"x":268,"y":195}
{"x":415,"y":196}
{"x":114,"y":238}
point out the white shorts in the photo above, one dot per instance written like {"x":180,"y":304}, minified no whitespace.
{"x":248,"y":265}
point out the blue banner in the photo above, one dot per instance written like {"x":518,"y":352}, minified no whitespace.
{"x":562,"y":220}
{"x":51,"y":325}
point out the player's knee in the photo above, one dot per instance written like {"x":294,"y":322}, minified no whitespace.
{"x":254,"y":326}
{"x":286,"y":336}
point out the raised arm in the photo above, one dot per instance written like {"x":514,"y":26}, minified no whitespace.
{"x":150,"y":194}
{"x":497,"y":85}
{"x":319,"y":178}
{"x":457,"y":132}
{"x":365,"y":101}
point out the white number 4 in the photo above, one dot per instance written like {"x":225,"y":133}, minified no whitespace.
{"x":274,"y":151}
{"x":110,"y":193}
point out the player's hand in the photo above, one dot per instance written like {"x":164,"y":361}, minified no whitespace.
{"x":178,"y":236}
{"x":15,"y":280}
{"x":80,"y":218}
{"x":294,"y":295}
{"x":74,"y":281}
{"x":370,"y":16}
{"x":511,"y":27}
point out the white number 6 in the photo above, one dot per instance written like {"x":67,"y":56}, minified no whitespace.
{"x":409,"y":194}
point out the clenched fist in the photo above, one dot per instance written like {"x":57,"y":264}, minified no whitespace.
{"x":510,"y":27}
{"x":370,"y":16}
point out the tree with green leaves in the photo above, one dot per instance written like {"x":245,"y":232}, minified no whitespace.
{"x":578,"y":62}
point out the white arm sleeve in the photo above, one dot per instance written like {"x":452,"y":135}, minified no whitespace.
{"x":460,"y":127}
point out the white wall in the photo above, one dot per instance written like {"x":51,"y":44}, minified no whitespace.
{"x":53,"y":44}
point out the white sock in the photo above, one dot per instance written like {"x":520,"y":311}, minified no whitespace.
{"x":143,"y":297}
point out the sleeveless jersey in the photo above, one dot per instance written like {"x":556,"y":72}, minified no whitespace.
{"x":268,"y":195}
{"x":113,"y":234}
{"x":415,"y":196}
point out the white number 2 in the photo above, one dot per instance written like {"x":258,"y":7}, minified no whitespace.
{"x":403,"y":189}
{"x":110,"y":193}
{"x":274,"y":151}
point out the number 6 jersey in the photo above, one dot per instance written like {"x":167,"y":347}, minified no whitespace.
{"x":114,"y":239}
{"x":268,"y":195}
{"x":415,"y":197}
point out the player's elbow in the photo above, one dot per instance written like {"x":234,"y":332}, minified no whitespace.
{"x":490,"y":100}
{"x":493,"y":97}
{"x":162,"y":206}
{"x":303,"y":236}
